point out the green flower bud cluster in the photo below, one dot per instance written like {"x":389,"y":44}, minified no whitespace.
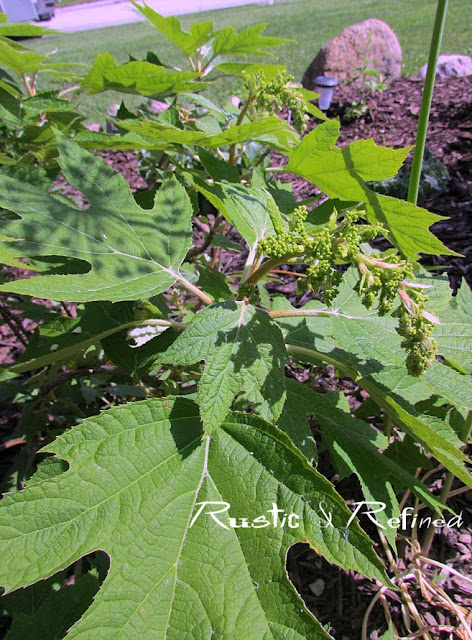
{"x":336,"y":243}
{"x":383,"y":281}
{"x":277,"y":93}
{"x":380,"y":280}
{"x":280,"y":245}
{"x":351,"y":235}
{"x":416,"y":327}
{"x":249,"y":291}
{"x":324,"y":247}
{"x":321,"y":255}
{"x":290,"y":242}
{"x":297,"y":223}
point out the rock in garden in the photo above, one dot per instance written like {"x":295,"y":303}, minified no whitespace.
{"x":450,"y":67}
{"x":371,"y":44}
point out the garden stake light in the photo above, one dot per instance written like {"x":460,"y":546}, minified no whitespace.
{"x":324,"y":85}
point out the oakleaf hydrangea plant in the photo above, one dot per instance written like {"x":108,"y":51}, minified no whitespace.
{"x":170,"y":459}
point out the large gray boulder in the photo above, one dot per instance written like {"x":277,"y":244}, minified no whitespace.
{"x":453,"y":66}
{"x":371,"y":44}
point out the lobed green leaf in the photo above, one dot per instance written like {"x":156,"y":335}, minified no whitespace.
{"x":137,"y":475}
{"x":367,"y":348}
{"x":354,"y":447}
{"x":200,"y":32}
{"x":342,"y":173}
{"x":136,"y":77}
{"x":132,"y":252}
{"x":243,"y":352}
{"x":248,"y":41}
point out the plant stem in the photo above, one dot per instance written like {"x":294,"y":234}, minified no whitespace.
{"x":426,"y":100}
{"x":307,"y":313}
{"x":432,"y":627}
{"x":67,"y":310}
{"x":444,"y":495}
{"x":443,"y":567}
{"x":26,"y":458}
{"x":403,"y":588}
{"x":15,"y":327}
{"x":322,"y":357}
{"x":285,"y":272}
{"x":29,"y":85}
{"x":251,"y":264}
{"x":216,"y":257}
{"x":78,"y":568}
{"x":265,"y":268}
{"x":195,"y":290}
{"x":11,"y":443}
{"x":193,"y":254}
{"x":63,"y":92}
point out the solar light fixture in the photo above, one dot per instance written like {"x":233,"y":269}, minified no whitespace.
{"x":324,"y":85}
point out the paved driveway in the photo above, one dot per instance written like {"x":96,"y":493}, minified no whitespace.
{"x":110,"y":13}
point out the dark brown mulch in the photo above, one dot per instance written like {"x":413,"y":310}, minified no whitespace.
{"x":394,"y":117}
{"x":126,"y":162}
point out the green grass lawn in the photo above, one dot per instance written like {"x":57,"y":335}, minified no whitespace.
{"x":309,"y":23}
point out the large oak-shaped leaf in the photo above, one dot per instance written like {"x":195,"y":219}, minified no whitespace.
{"x":342,"y":173}
{"x":138,"y":474}
{"x":250,"y":41}
{"x":150,"y":134}
{"x":243,"y":351}
{"x":133,"y":253}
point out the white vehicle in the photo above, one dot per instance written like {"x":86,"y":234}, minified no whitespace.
{"x":27,"y":10}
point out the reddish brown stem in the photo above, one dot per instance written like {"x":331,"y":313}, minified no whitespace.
{"x":14,"y":442}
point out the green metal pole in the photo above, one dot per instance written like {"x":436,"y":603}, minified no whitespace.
{"x":416,"y":165}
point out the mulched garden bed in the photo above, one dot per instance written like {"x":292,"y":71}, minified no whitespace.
{"x":392,"y":119}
